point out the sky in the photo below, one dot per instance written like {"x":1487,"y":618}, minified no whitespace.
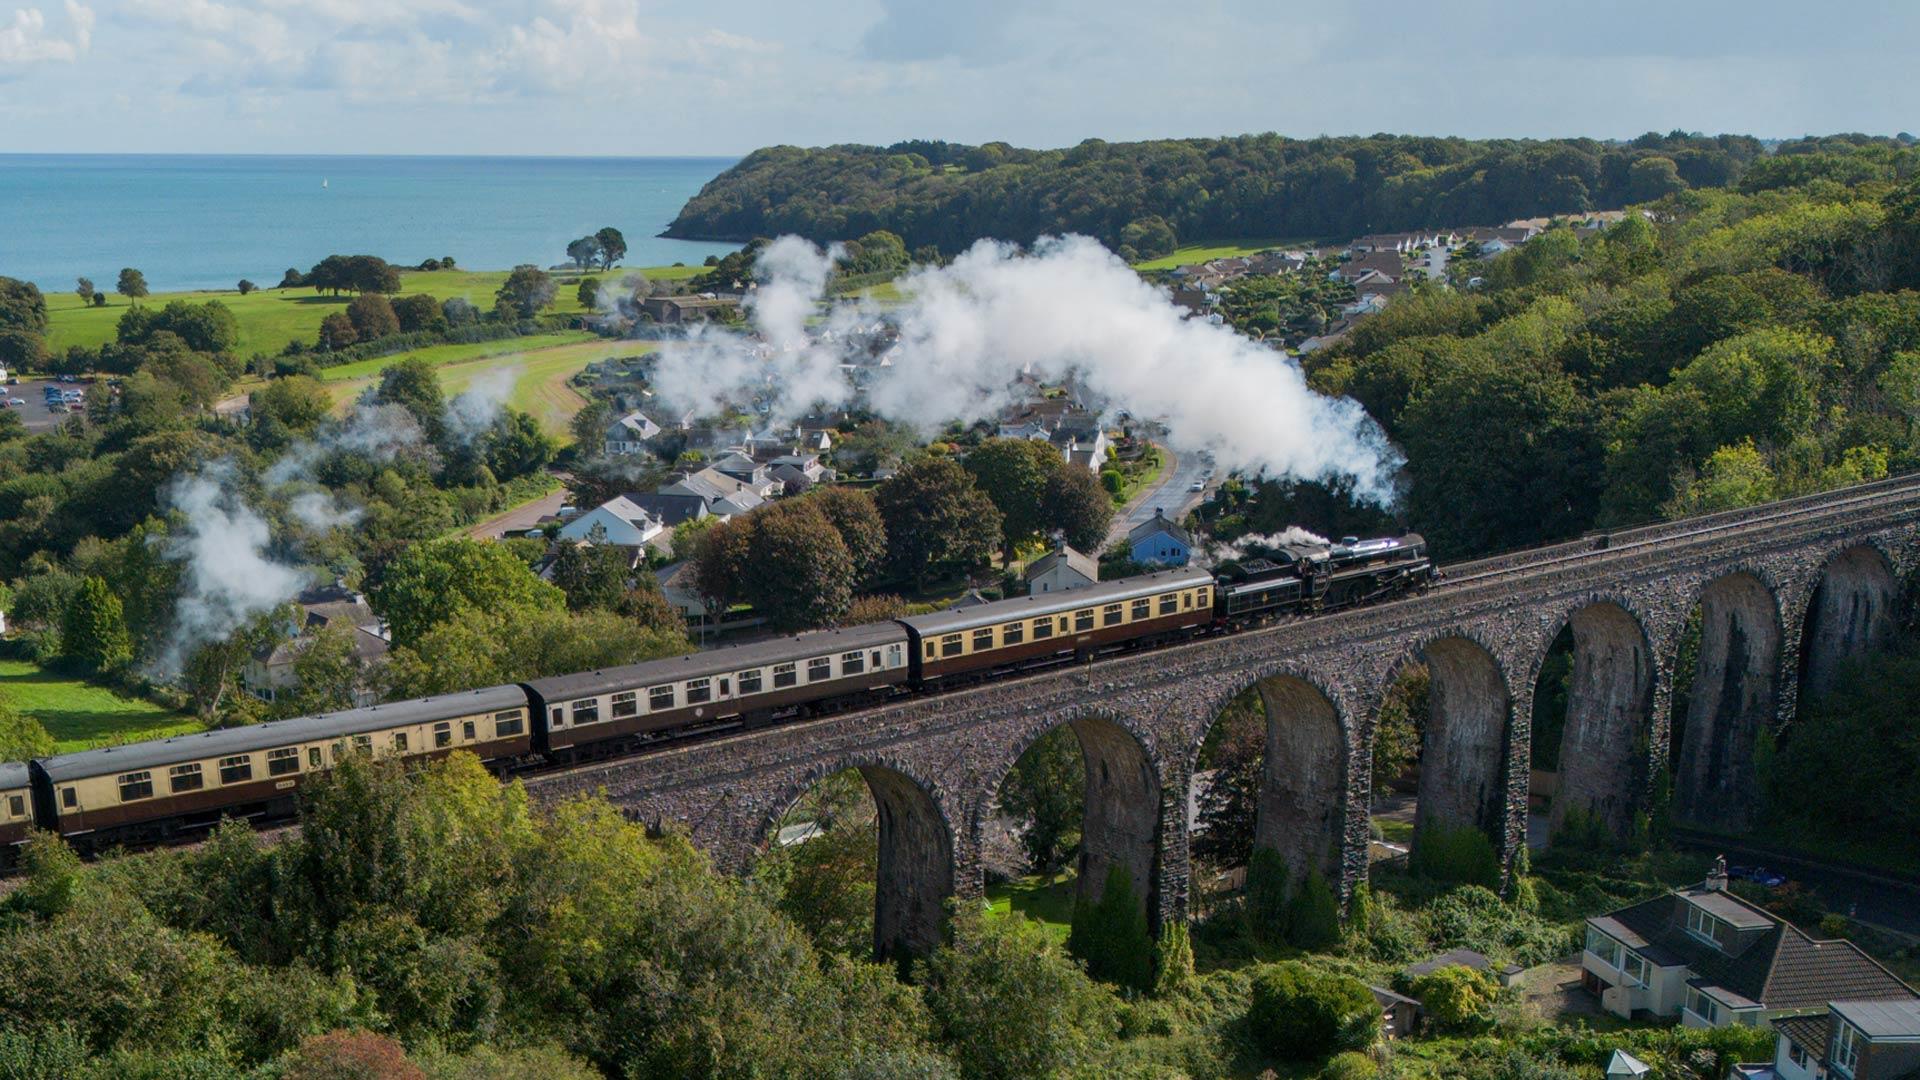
{"x":640,"y":77}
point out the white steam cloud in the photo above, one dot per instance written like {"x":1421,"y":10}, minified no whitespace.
{"x":228,"y":577}
{"x":1066,"y":309}
{"x":472,"y":412}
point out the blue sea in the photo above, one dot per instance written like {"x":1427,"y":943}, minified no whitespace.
{"x":205,"y":222}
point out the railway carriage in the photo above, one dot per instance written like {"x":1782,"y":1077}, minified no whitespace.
{"x":153,"y":789}
{"x":16,"y":811}
{"x":600,"y":712}
{"x":1034,"y":630}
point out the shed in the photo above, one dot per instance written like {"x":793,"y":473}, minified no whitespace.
{"x":1624,"y":1066}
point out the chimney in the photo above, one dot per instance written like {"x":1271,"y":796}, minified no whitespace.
{"x":1717,"y":877}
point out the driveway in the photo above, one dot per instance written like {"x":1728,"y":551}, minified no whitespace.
{"x":521,"y":518}
{"x":1170,"y":496}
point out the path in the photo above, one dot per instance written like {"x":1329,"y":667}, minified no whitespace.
{"x":520,"y":518}
{"x":1169,"y":495}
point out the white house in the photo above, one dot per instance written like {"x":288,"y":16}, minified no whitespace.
{"x":1060,"y":570}
{"x":630,"y":434}
{"x":620,"y":520}
{"x":1863,"y":1040}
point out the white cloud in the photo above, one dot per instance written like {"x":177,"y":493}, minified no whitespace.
{"x":26,"y":39}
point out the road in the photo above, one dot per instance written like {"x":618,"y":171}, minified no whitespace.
{"x":1169,"y":495}
{"x":523,"y":517}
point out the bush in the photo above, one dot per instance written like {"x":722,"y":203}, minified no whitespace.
{"x":1267,"y":895}
{"x":1352,"y":1065}
{"x":1111,"y":934}
{"x":1313,"y":915}
{"x":1173,"y":960}
{"x":1464,"y":855}
{"x":1457,"y":998}
{"x":1301,"y":1013}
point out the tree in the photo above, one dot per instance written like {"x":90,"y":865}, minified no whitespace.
{"x":22,"y":738}
{"x":246,"y":286}
{"x":22,"y":350}
{"x":372,"y":316}
{"x":1008,"y":1005}
{"x":1077,"y":507}
{"x":94,"y":630}
{"x":132,"y":284}
{"x":799,"y":575}
{"x":351,"y":1055}
{"x":1301,"y":1013}
{"x":327,"y":673}
{"x":337,"y":332}
{"x":83,"y":288}
{"x":22,"y":307}
{"x":419,"y":313}
{"x":459,"y":311}
{"x":583,"y":251}
{"x":856,"y":518}
{"x":1013,"y":473}
{"x":589,"y":427}
{"x":414,"y":385}
{"x":937,"y":519}
{"x":588,"y":294}
{"x":296,"y":402}
{"x":594,"y":576}
{"x":612,"y":246}
{"x":515,"y":446}
{"x":1046,"y":789}
{"x":292,"y":279}
{"x":527,"y":290}
{"x":1457,"y":998}
{"x":428,"y":583}
{"x":720,"y":556}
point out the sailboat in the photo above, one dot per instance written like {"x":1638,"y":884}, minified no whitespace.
{"x":323,"y":181}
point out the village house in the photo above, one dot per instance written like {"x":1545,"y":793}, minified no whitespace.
{"x":1855,"y":1040}
{"x":1061,"y":570}
{"x":798,"y":472}
{"x":676,"y":584}
{"x":673,"y":310}
{"x":1159,"y":542}
{"x":630,"y":435}
{"x":1711,"y":959}
{"x":619,"y":521}
{"x":269,"y":673}
{"x":1386,"y":264}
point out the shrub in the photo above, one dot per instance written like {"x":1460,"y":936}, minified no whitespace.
{"x":1464,"y":855}
{"x":1458,"y":998}
{"x":1351,"y":1065}
{"x":351,"y":1055}
{"x":1172,"y":960}
{"x":1111,"y":934}
{"x":1313,"y":915}
{"x":1267,"y":895}
{"x":1301,"y":1013}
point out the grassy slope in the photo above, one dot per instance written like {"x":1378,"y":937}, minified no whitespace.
{"x":1199,"y":253}
{"x":269,"y":318}
{"x":541,"y":367}
{"x":79,"y":714}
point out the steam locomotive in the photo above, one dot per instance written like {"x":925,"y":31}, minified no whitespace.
{"x":155,"y":791}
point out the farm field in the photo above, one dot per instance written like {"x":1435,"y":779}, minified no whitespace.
{"x":269,"y":318}
{"x":79,"y":714}
{"x":1199,"y":253}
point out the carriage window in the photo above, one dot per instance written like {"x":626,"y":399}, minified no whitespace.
{"x":399,"y":742}
{"x":983,"y":639}
{"x":1202,"y":596}
{"x":1042,"y":628}
{"x":929,"y":649}
{"x":784,"y":675}
{"x":186,"y":778}
{"x":136,"y":785}
{"x":283,"y":761}
{"x":1110,"y":615}
{"x":442,"y":734}
{"x":1169,"y":604}
{"x":820,"y":669}
{"x":699,"y":690}
{"x":17,"y":805}
{"x":69,"y":798}
{"x":1142,"y":610}
{"x":586,"y":712}
{"x":660,"y":697}
{"x":508,"y":724}
{"x":363,"y":744}
{"x":313,"y":757}
{"x":893,"y":656}
{"x":236,"y":770}
{"x":1013,"y":633}
{"x":853,"y":663}
{"x":749,"y":681}
{"x":466,"y":730}
{"x":1083,"y":620}
{"x":558,"y":716}
{"x":626,"y":703}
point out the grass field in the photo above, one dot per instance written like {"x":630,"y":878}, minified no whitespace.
{"x":269,"y":318}
{"x":1046,"y":900}
{"x":1199,"y":253}
{"x":79,"y":714}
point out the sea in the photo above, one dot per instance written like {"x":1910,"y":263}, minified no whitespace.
{"x":206,"y":221}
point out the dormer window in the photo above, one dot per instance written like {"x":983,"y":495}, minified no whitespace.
{"x":1846,"y":1048}
{"x":1704,"y":926}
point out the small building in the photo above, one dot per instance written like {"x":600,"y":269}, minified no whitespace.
{"x":1062,"y":570}
{"x":1624,"y":1066}
{"x":619,"y":521}
{"x":676,"y":584}
{"x":1159,"y":542}
{"x":269,"y":673}
{"x":1400,"y":1014}
{"x":630,"y":435}
{"x":673,"y":310}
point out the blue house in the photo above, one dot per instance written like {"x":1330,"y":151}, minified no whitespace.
{"x":1160,"y":542}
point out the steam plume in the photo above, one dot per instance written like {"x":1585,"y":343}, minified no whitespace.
{"x":227,"y":576}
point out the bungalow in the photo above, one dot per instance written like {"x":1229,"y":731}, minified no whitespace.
{"x":676,"y":584}
{"x":1712,"y":959}
{"x":1387,"y":264}
{"x":620,"y":521}
{"x":1061,"y":570}
{"x":629,"y":434}
{"x":798,"y":472}
{"x":1159,"y":542}
{"x":270,"y":672}
{"x":670,"y":508}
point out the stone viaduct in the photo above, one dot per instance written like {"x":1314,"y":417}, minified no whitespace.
{"x":1787,"y":593}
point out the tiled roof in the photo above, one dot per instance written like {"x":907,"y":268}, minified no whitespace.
{"x":1809,"y":1033}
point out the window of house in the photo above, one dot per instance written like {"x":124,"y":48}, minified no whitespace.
{"x":1043,"y":628}
{"x":1703,"y":925}
{"x":1846,"y":1048}
{"x":136,"y":785}
{"x":699,"y":690}
{"x":626,"y":703}
{"x":443,"y":734}
{"x":1797,"y":1055}
{"x":1142,"y":610}
{"x":1170,"y":604}
{"x":17,"y":805}
{"x":69,"y":798}
{"x":820,"y":669}
{"x":952,"y":645}
{"x":983,"y":639}
{"x":784,"y":675}
{"x":313,"y":757}
{"x":466,"y":730}
{"x":1703,"y":1007}
{"x":283,"y":761}
{"x":1110,"y":615}
{"x":659,"y":698}
{"x":749,"y":682}
{"x":399,"y":742}
{"x":506,"y":725}
{"x":1083,"y":620}
{"x":586,"y":711}
{"x":1634,"y":967}
{"x":238,"y":770}
{"x":1604,"y":947}
{"x":853,"y":663}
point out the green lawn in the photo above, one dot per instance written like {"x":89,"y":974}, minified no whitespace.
{"x":1394,"y":831}
{"x":439,"y":355}
{"x":79,"y":714}
{"x":1199,"y":253}
{"x":269,"y":318}
{"x":1152,"y":466}
{"x":1046,"y":900}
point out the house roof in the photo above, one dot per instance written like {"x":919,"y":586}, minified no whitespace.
{"x":735,"y":463}
{"x":633,"y":427}
{"x":1465,"y":958}
{"x":670,"y":507}
{"x":1625,"y":1064}
{"x":1882,"y":1019}
{"x":1158,"y":523}
{"x":1084,"y":565}
{"x":1809,"y":1033}
{"x":623,"y":508}
{"x":1777,"y":966}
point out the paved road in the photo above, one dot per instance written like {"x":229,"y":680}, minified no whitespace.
{"x":521,"y":518}
{"x":1169,"y":495}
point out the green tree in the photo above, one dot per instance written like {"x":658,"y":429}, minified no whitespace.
{"x":612,"y":246}
{"x":22,"y":307}
{"x":588,"y":293}
{"x":515,"y":446}
{"x":419,"y":313}
{"x":22,"y":738}
{"x":83,"y":288}
{"x":528,"y":290}
{"x":1078,"y":507}
{"x":414,"y":385}
{"x":1301,"y":1013}
{"x":132,"y":284}
{"x":429,"y":582}
{"x":592,"y":575}
{"x":798,"y":573}
{"x":583,"y":251}
{"x":1006,"y":1004}
{"x":856,"y":518}
{"x":336,"y":331}
{"x":1046,"y":789}
{"x":372,"y":316}
{"x":299,"y":403}
{"x":245,"y":287}
{"x":1111,"y":935}
{"x":1013,"y":474}
{"x":327,"y":673}
{"x":937,"y":519}
{"x":94,"y":630}
{"x":1457,"y":998}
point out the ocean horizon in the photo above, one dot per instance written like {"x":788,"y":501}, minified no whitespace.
{"x":204,"y":221}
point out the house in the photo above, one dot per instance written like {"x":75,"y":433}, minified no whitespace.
{"x":685,"y":309}
{"x":724,"y":495}
{"x":1861,"y":1040}
{"x":1387,"y":264}
{"x":620,"y":521}
{"x":1196,"y":301}
{"x":629,"y":434}
{"x":798,"y":472}
{"x":270,"y":672}
{"x":1400,"y":1014}
{"x":1624,"y":1066}
{"x":1712,"y":959}
{"x":676,"y":584}
{"x":1060,"y":570}
{"x":743,"y":468}
{"x":1159,"y":542}
{"x":670,"y":508}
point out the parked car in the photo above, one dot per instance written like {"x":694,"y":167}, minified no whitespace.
{"x":16,"y":402}
{"x":1759,"y":875}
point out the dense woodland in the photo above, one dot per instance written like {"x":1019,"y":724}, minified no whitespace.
{"x":1144,"y":199}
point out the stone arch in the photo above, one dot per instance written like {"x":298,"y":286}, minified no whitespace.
{"x":1463,"y":756}
{"x":916,"y":858}
{"x":1852,"y":611}
{"x":1121,"y":820}
{"x":1736,"y":687}
{"x":1604,"y":745}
